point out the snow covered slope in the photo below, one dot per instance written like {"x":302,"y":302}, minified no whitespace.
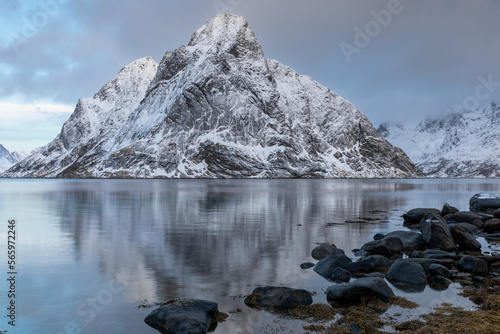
{"x":7,"y":159}
{"x":216,"y":108}
{"x":457,"y":145}
{"x":90,"y":131}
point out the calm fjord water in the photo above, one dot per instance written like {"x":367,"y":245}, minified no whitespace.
{"x":90,"y":251}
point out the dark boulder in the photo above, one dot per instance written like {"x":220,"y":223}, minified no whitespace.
{"x":388,"y":246}
{"x":186,"y":316}
{"x":439,"y":254}
{"x":361,"y":253}
{"x":496,"y":214}
{"x":448,"y":209}
{"x":426,"y":263}
{"x":471,"y":264}
{"x":375,"y":274}
{"x":439,"y":282}
{"x":408,"y":274}
{"x":436,"y":233}
{"x":307,"y":265}
{"x":470,"y":228}
{"x":278,"y":298}
{"x":326,"y":266}
{"x":463,"y":217}
{"x":379,"y":236}
{"x":416,"y":254}
{"x":478,"y":223}
{"x":411,"y":240}
{"x":484,"y":202}
{"x":340,"y":275}
{"x":360,"y":290}
{"x":322,"y":251}
{"x":464,"y":239}
{"x":438,"y":269}
{"x":413,"y":217}
{"x":369,"y":264}
{"x":492,"y":226}
{"x":486,"y":216}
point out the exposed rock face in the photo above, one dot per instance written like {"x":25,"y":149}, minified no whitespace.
{"x":457,"y":145}
{"x":216,"y":108}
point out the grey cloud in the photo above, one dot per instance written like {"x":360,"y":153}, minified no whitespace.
{"x":426,"y":60}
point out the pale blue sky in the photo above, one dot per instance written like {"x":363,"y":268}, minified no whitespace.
{"x":421,"y":60}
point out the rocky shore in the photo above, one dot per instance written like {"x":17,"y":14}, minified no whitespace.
{"x":439,"y":247}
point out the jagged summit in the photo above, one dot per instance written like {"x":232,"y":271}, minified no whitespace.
{"x":225,"y":31}
{"x":216,"y":108}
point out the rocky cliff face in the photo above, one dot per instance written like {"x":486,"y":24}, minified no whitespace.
{"x":216,"y":108}
{"x":457,"y":145}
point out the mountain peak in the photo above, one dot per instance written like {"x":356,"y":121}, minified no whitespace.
{"x":216,"y":108}
{"x":222,"y":25}
{"x":227,"y":33}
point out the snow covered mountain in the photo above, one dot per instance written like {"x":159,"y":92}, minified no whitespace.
{"x":7,"y":159}
{"x":216,"y":108}
{"x":457,"y":145}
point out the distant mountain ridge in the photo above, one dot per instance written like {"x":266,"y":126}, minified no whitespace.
{"x":8,"y":159}
{"x":216,"y":108}
{"x":460,"y":145}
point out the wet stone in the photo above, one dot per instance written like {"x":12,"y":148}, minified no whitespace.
{"x":414,"y":216}
{"x":278,"y":298}
{"x":326,"y":266}
{"x":471,"y":264}
{"x":438,"y":270}
{"x":307,"y":265}
{"x":186,"y":316}
{"x":360,"y":290}
{"x":406,"y":272}
{"x":341,"y":275}
{"x":322,"y":251}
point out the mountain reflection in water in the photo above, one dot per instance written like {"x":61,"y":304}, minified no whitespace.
{"x":209,"y":239}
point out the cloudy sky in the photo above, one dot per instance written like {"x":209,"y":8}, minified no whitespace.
{"x":396,"y":60}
